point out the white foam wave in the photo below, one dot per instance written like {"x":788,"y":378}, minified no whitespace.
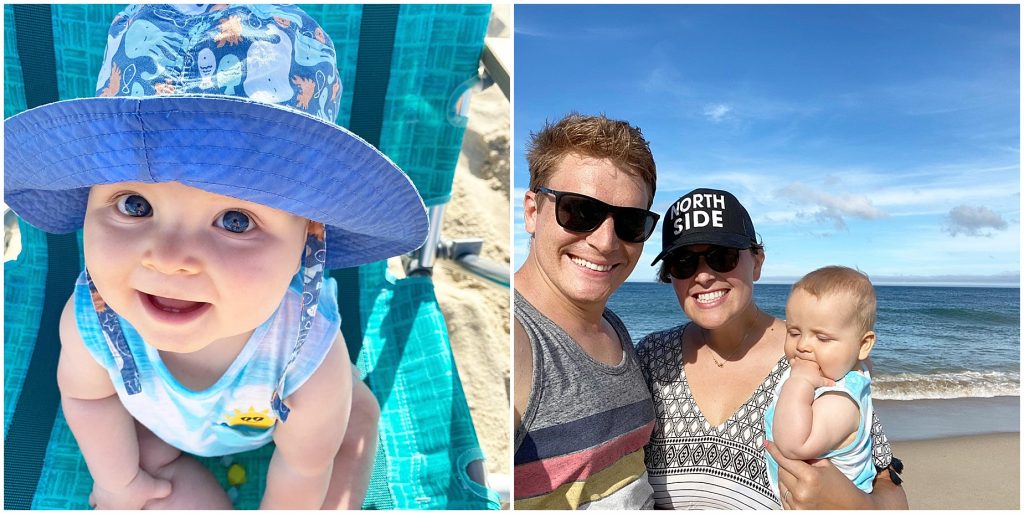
{"x":964,"y":384}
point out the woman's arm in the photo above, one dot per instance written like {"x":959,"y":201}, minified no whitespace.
{"x":817,"y":484}
{"x":300,"y":469}
{"x":104,"y":430}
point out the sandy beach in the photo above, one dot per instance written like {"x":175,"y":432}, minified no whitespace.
{"x":967,"y":472}
{"x":961,"y":453}
{"x":477,"y":313}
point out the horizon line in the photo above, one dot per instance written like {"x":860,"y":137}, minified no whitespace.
{"x":908,"y":281}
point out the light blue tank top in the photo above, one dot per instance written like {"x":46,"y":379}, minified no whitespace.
{"x":234,"y":414}
{"x":854,"y":460}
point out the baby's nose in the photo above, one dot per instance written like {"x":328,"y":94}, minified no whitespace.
{"x":171,"y":256}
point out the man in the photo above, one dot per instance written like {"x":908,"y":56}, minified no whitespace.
{"x":582,"y":409}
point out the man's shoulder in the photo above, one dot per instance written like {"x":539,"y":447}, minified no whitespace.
{"x":521,"y":306}
{"x":609,"y":313}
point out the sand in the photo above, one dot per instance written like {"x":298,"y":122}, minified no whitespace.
{"x":960,"y":453}
{"x":969,"y":472}
{"x":476,"y":312}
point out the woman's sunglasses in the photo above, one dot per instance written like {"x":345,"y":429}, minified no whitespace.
{"x":581,"y":213}
{"x":682,"y":264}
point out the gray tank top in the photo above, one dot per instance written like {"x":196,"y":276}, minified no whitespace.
{"x":585,"y":422}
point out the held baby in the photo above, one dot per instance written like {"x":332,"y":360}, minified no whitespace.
{"x":823,"y":409}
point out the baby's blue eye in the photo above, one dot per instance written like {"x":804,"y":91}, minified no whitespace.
{"x":235,"y":221}
{"x":134,"y":206}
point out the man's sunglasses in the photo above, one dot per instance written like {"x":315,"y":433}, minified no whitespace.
{"x":682,"y":264}
{"x":581,"y":213}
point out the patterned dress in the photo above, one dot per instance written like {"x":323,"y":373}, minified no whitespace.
{"x":694,"y":465}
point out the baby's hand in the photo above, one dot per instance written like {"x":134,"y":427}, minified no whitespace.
{"x":810,"y":371}
{"x":143,"y":488}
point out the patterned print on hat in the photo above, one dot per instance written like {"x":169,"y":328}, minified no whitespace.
{"x":268,"y":53}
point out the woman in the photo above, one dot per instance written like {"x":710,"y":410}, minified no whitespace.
{"x":712,"y":379}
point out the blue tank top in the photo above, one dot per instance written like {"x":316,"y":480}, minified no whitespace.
{"x":234,"y":414}
{"x":854,"y":459}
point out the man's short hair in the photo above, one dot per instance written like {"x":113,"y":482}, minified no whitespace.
{"x":590,"y":136}
{"x":832,"y":280}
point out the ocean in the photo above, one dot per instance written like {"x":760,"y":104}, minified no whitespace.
{"x":933,"y":342}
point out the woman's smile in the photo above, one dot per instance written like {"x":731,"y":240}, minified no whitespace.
{"x":709,"y":298}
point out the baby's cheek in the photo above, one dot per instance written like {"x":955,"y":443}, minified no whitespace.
{"x":257,"y":294}
{"x":100,"y":238}
{"x":104,"y":253}
{"x":254,"y":305}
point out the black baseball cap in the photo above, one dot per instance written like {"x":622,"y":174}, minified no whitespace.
{"x":706,"y":216}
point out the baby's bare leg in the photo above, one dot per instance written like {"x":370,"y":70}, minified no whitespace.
{"x":154,"y":453}
{"x":354,"y":460}
{"x":192,"y":485}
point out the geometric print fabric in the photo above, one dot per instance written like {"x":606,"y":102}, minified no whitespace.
{"x":684,"y":443}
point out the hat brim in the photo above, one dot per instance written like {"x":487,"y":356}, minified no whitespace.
{"x":230,"y":146}
{"x":706,"y":238}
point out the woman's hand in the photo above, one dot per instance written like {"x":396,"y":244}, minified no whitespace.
{"x":143,"y":488}
{"x":816,"y":484}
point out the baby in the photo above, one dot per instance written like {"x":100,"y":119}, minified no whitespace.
{"x":203,"y":322}
{"x":822,"y":407}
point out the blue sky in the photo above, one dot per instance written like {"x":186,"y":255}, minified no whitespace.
{"x":881,"y":137}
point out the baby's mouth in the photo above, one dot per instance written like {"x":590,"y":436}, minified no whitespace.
{"x":173,"y":305}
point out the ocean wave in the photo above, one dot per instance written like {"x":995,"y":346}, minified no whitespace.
{"x":966,"y":315}
{"x":964,"y":384}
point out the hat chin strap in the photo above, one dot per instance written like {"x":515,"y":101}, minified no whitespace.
{"x":313,"y":259}
{"x":111,"y":326}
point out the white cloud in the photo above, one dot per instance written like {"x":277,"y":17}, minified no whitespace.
{"x":972,"y":221}
{"x":827,"y":207}
{"x":715,"y":112}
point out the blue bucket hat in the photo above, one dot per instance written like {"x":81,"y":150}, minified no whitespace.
{"x":236,"y":100}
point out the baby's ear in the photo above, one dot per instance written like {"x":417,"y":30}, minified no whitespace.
{"x":866,"y":343}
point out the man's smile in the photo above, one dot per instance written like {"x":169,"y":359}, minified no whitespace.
{"x":579,"y":261}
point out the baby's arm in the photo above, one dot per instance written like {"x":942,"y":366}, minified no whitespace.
{"x":805,"y":427}
{"x":104,"y":430}
{"x":300,"y":469}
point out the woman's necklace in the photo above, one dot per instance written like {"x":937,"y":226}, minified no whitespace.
{"x":743,"y":343}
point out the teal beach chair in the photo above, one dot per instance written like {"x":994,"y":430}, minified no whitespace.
{"x":404,"y":68}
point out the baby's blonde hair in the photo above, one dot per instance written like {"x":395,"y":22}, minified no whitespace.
{"x":840,"y":279}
